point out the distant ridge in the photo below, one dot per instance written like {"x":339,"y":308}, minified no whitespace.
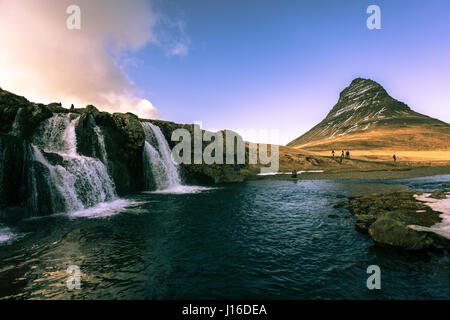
{"x":367,"y":117}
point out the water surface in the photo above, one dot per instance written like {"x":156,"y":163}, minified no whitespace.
{"x":259,"y":240}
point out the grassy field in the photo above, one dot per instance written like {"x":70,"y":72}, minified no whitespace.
{"x":386,"y":155}
{"x":363,"y":164}
{"x":414,"y":139}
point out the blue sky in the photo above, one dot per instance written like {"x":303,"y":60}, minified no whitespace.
{"x":281,"y":64}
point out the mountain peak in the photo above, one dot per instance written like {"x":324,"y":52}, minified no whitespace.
{"x":367,"y":97}
{"x":363,"y":106}
{"x":360,"y":89}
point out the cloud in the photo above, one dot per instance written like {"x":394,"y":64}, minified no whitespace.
{"x":43,"y":60}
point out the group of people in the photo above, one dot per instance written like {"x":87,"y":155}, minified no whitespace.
{"x":346,"y":154}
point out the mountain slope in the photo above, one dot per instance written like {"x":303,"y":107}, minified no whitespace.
{"x":367,"y":117}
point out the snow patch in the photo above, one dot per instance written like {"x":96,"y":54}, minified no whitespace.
{"x":281,"y":173}
{"x":440,"y":205}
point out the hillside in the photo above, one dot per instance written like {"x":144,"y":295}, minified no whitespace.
{"x":366,"y":117}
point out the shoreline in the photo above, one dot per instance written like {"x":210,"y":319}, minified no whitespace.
{"x":400,"y":173}
{"x":407,"y":220}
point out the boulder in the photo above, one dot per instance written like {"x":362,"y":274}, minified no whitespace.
{"x":391,"y":229}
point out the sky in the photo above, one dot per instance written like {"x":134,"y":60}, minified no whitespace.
{"x":274,"y":67}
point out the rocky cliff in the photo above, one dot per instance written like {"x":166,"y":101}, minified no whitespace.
{"x":54,"y":159}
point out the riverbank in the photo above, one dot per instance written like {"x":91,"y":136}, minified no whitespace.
{"x":395,"y":173}
{"x":407,"y":220}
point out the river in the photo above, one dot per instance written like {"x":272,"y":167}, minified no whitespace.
{"x":265,"y":239}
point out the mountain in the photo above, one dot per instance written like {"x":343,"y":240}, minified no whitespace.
{"x":366,"y":117}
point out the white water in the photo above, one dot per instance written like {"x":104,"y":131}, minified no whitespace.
{"x":277,"y":173}
{"x":5,"y":234}
{"x":158,"y":165}
{"x":104,"y":209}
{"x":15,"y":130}
{"x":101,"y":142}
{"x":80,"y":182}
{"x":180,"y":189}
{"x":440,"y":205}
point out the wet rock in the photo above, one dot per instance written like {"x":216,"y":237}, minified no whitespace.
{"x":9,"y":106}
{"x":124,"y":140}
{"x":341,"y":204}
{"x":12,"y":158}
{"x":53,"y":158}
{"x":87,"y":138}
{"x":33,"y":115}
{"x":392,"y":229}
{"x":374,"y":212}
{"x":364,"y":222}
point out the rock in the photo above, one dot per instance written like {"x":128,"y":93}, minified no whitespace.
{"x":201,"y":173}
{"x":45,"y":201}
{"x":333,"y":216}
{"x":364,"y":222}
{"x":12,"y":155}
{"x":56,"y":107}
{"x":341,"y":204}
{"x":392,"y":230}
{"x":53,"y":158}
{"x":34,"y":114}
{"x":124,"y":140}
{"x":438,"y":194}
{"x":87,"y":138}
{"x":9,"y":106}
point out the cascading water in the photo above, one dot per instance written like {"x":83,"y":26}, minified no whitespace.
{"x":74,"y":182}
{"x":159,"y":168}
{"x":15,"y":130}
{"x":101,"y":141}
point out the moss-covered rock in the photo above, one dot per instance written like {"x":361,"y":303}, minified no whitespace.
{"x":386,"y":217}
{"x":392,"y":229}
{"x":438,"y":194}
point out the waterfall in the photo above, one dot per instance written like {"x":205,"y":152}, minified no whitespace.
{"x":101,"y":142}
{"x":159,"y":169}
{"x":74,"y":182}
{"x":15,"y":130}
